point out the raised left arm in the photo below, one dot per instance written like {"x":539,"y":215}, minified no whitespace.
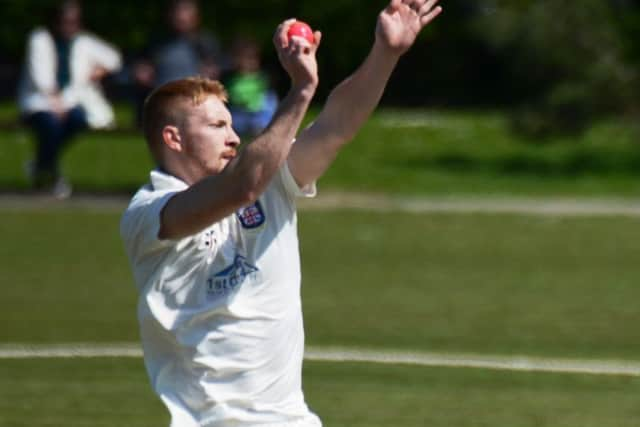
{"x":353,"y":100}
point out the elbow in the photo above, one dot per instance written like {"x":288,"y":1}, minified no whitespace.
{"x":336,"y":131}
{"x":247,"y":197}
{"x":249,"y":182}
{"x":347,"y":130}
{"x":340,"y":136}
{"x":247,"y":192}
{"x":346,"y":136}
{"x":240,"y":195}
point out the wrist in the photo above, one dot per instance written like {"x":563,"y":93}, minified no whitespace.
{"x":305,"y":90}
{"x":384,"y":49}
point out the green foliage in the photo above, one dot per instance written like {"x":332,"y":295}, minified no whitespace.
{"x":571,"y":59}
{"x":557,"y":64}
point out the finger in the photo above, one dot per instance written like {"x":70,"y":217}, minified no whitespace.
{"x":300,"y":45}
{"x":295,"y":45}
{"x":280,"y":38}
{"x":317,"y":35}
{"x":284,"y":36}
{"x":425,"y":19}
{"x":301,"y":42}
{"x":414,"y":5}
{"x":291,"y":48}
{"x":393,"y":6}
{"x":305,"y":46}
{"x":427,"y":7}
{"x":276,"y":37}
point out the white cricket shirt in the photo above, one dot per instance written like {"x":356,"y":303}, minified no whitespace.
{"x":220,"y":311}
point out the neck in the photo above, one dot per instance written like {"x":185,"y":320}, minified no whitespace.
{"x":180,"y":170}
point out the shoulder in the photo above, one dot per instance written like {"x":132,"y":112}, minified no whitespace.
{"x":88,"y":36}
{"x":140,"y":208}
{"x":137,"y":205}
{"x":91,"y":40}
{"x":39,"y":32}
{"x":39,"y":36}
{"x":140,"y":222}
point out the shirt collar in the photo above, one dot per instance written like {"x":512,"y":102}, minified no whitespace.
{"x":163,"y":181}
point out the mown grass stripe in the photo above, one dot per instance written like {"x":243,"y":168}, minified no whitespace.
{"x":329,"y":201}
{"x":335,"y":354}
{"x":494,"y":362}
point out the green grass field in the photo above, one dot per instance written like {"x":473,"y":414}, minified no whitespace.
{"x":410,"y":152}
{"x":109,"y":392}
{"x":487,"y":284}
{"x":474,"y":283}
{"x":479,"y":283}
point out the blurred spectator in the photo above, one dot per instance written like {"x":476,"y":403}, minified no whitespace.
{"x":59,"y":92}
{"x":186,"y":51}
{"x":252,"y":102}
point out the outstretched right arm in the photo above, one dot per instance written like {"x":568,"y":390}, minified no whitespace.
{"x":351,"y":102}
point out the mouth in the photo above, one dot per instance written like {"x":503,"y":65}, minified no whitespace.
{"x":229,"y":154}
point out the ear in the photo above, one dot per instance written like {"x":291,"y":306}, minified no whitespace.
{"x":171,"y":138}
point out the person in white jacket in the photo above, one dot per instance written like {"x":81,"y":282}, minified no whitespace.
{"x":59,"y":93}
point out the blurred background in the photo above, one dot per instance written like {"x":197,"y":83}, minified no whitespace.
{"x":488,"y":209}
{"x":559,"y":64}
{"x":549,"y":88}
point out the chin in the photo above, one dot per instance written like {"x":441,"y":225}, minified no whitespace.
{"x":218,"y":169}
{"x":224,"y":163}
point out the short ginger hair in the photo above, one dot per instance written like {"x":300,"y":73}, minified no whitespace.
{"x":169,"y":105}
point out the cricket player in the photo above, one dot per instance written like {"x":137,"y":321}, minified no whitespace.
{"x":212,"y":237}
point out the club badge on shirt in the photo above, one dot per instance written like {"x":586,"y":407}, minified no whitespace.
{"x":251,"y":216}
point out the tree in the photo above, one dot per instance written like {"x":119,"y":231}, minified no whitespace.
{"x":572,"y":61}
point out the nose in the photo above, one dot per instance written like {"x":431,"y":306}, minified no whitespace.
{"x":233,"y":140}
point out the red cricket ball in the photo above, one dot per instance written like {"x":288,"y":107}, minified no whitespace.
{"x":301,"y":29}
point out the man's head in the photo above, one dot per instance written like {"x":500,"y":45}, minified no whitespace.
{"x":188,"y":128}
{"x":65,"y":19}
{"x":183,"y":16}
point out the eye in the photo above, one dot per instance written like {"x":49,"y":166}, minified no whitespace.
{"x":218,"y":124}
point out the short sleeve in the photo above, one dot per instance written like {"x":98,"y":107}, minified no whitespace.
{"x":292,"y":187}
{"x":140,"y":225}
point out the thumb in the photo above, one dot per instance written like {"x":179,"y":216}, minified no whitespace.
{"x":317,"y":36}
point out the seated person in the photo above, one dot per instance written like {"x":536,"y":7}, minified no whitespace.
{"x":252,"y":102}
{"x":59,"y":92}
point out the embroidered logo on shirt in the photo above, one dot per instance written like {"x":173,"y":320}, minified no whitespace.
{"x":207,"y":240}
{"x":227,"y":280}
{"x":251,"y":216}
